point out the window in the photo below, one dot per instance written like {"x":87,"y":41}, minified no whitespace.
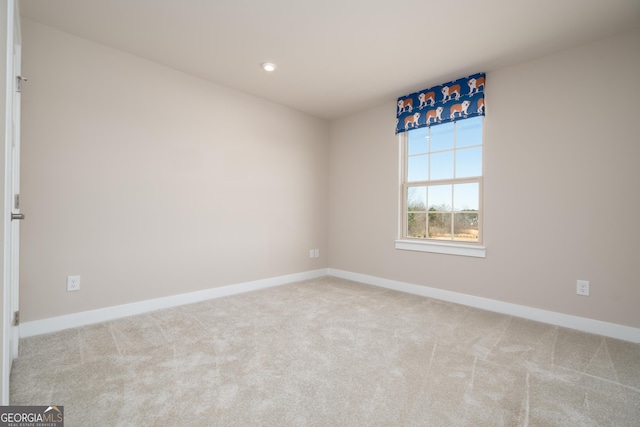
{"x":442,"y":183}
{"x":441,"y":167}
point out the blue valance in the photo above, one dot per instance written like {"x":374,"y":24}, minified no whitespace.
{"x":459,"y":99}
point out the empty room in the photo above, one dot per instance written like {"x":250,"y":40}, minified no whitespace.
{"x":328,"y":213}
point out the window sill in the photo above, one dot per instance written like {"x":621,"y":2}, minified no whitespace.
{"x":441,"y":248}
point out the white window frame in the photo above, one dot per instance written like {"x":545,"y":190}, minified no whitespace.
{"x":472,"y":249}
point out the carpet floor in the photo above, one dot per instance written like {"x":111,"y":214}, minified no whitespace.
{"x":329,"y":352}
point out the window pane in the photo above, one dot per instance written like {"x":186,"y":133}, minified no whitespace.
{"x":417,"y":199}
{"x":466,"y":197}
{"x":469,"y":132}
{"x":442,"y":137}
{"x":465,"y":226}
{"x":439,"y":197}
{"x":437,"y":205}
{"x":442,"y":165}
{"x":418,"y":168}
{"x":440,"y":226}
{"x":418,"y":141}
{"x":417,"y":225}
{"x":469,"y":162}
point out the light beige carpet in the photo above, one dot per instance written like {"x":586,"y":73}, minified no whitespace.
{"x":329,"y":352}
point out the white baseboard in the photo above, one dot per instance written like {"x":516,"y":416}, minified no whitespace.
{"x":54,"y":324}
{"x":74,"y":320}
{"x":612,"y":330}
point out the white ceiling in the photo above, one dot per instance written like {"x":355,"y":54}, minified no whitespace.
{"x":336,"y":57}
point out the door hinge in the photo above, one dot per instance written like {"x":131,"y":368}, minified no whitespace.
{"x":19,"y":80}
{"x":16,"y":318}
{"x":16,"y":204}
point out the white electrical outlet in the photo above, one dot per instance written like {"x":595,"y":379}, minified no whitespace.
{"x":316,"y":253}
{"x":73,"y":283}
{"x":582,"y":287}
{"x":311,"y":253}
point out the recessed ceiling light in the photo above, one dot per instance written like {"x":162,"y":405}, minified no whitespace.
{"x":268,"y":66}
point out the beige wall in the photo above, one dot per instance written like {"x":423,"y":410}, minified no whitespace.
{"x":141,"y":179}
{"x":148,"y":182}
{"x":562,"y":169}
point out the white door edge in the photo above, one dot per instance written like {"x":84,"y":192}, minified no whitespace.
{"x":7,"y":314}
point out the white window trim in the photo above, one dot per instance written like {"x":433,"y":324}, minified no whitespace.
{"x":438,"y":247}
{"x":441,"y":248}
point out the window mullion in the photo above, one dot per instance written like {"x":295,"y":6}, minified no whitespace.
{"x":426,"y":211}
{"x":429,"y":156}
{"x":451,"y":214}
{"x":455,"y":175}
{"x":455,"y":151}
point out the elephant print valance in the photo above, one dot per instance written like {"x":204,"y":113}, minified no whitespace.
{"x":459,"y":99}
